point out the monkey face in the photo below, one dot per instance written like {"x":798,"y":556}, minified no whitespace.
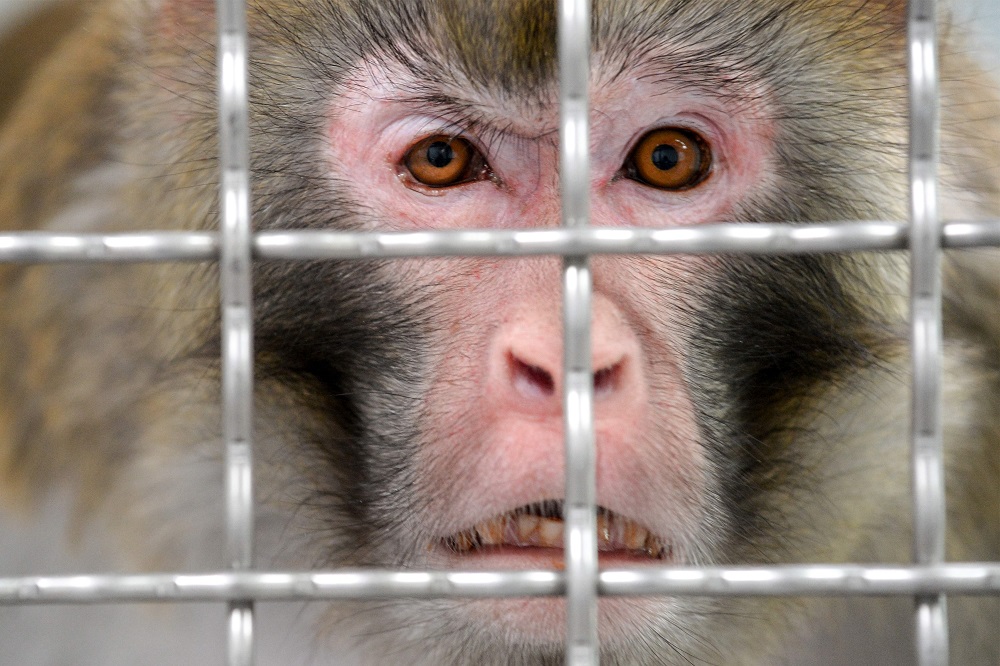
{"x":445,"y":448}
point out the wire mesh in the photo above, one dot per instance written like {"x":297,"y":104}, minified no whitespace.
{"x":581,"y":582}
{"x":925,"y":315}
{"x":237,"y":312}
{"x":579,"y":508}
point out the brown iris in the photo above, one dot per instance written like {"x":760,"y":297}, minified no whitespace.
{"x":670,"y":159}
{"x":442,"y":161}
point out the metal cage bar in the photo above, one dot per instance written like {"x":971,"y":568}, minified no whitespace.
{"x":967,"y":578}
{"x":235,"y":235}
{"x":928,"y":580}
{"x":931,"y":617}
{"x":579,"y":504}
{"x":31,"y":247}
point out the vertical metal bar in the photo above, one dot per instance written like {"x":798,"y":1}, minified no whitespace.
{"x":928,"y":464}
{"x":237,"y":316}
{"x":579,"y":513}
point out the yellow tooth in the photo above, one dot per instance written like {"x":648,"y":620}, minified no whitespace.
{"x":635,"y":536}
{"x":527,"y":529}
{"x":550,"y":533}
{"x":491,"y":532}
{"x":653,"y":547}
{"x":603,"y":531}
{"x":463,"y":542}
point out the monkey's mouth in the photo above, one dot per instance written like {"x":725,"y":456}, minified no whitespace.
{"x":540,"y":525}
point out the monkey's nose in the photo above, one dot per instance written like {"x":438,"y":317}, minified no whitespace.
{"x":526,"y":366}
{"x":534,"y":382}
{"x":531,"y":381}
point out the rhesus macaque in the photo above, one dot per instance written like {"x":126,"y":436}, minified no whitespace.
{"x":748,"y":409}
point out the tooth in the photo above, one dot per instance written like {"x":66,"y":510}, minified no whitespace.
{"x":549,"y":509}
{"x":653,"y":547}
{"x":604,"y":541}
{"x":491,"y":532}
{"x":463,"y":542}
{"x":540,"y":525}
{"x":635,"y":537}
{"x":527,"y":530}
{"x":508,"y":524}
{"x":550,"y":533}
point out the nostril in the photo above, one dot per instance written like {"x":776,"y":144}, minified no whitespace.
{"x":530,"y":380}
{"x":608,"y":379}
{"x":534,"y":382}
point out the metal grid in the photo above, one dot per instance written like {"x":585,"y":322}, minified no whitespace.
{"x":928,"y":581}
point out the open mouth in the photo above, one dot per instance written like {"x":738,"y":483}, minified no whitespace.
{"x":540,"y":525}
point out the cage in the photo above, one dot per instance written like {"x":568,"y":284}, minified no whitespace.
{"x":927,"y":581}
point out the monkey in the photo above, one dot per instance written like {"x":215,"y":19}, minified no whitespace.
{"x":748,"y":409}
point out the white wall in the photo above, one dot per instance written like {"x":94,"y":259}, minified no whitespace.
{"x":982,"y":19}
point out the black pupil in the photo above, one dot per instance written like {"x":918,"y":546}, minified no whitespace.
{"x":665,"y":157}
{"x":440,"y":154}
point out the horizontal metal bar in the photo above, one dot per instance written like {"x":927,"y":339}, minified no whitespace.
{"x":34,"y":247}
{"x":37,"y":247}
{"x":704,"y":239}
{"x":227,"y":586}
{"x":807,"y":580}
{"x":777,"y":581}
{"x":770,"y":238}
{"x":778,"y":238}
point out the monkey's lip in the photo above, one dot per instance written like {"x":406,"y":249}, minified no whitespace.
{"x":540,"y":525}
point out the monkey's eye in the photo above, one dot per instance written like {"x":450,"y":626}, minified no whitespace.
{"x":671,"y":158}
{"x":443,"y":161}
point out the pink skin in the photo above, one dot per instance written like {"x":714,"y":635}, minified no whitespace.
{"x":493,"y":436}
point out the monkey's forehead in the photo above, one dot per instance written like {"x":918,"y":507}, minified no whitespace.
{"x":510,"y":45}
